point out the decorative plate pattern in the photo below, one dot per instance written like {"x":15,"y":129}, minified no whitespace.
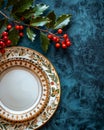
{"x":47,"y":68}
{"x":37,"y":109}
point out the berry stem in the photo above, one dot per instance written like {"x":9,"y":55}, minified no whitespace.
{"x":60,"y":39}
{"x":4,"y":15}
{"x":17,"y":22}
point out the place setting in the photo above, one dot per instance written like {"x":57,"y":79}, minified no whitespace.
{"x":29,"y":89}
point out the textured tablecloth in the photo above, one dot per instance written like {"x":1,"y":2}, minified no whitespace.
{"x":80,"y":67}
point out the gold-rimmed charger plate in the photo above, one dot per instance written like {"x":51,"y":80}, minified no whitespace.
{"x":22,"y":56}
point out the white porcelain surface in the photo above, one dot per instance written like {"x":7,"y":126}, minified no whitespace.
{"x":50,"y":92}
{"x":20,"y":90}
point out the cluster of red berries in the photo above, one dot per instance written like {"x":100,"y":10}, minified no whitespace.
{"x":60,"y":41}
{"x":5,"y":41}
{"x":20,"y":29}
{"x":17,"y":27}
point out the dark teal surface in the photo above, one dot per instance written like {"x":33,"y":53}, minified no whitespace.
{"x":80,"y":67}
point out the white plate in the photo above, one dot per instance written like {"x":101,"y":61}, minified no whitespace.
{"x":29,"y":89}
{"x":23,"y":90}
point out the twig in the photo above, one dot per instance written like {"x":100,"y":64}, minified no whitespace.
{"x":24,"y":23}
{"x":4,"y":15}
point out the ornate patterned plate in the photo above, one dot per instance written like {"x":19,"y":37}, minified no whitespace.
{"x":24,"y":90}
{"x":30,"y":104}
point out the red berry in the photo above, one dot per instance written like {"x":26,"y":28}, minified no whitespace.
{"x":67,"y":40}
{"x":57,"y":45}
{"x":60,"y":31}
{"x":64,"y":46}
{"x":63,"y":42}
{"x":4,"y":33}
{"x":5,"y":38}
{"x":22,"y":18}
{"x":50,"y":36}
{"x":2,"y":44}
{"x":21,"y":34}
{"x":65,"y":36}
{"x":55,"y":39}
{"x":17,"y":27}
{"x":21,"y":27}
{"x":9,"y":26}
{"x":68,"y":43}
{"x":2,"y":51}
{"x":8,"y":43}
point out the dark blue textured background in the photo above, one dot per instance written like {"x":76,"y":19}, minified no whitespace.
{"x":80,"y":67}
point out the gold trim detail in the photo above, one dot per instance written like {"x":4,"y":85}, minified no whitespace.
{"x":47,"y":68}
{"x":45,"y":88}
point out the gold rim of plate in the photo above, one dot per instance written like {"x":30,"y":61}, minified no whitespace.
{"x":22,"y":63}
{"x":53,"y":92}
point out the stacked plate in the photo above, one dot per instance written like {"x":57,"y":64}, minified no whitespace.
{"x":29,"y":89}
